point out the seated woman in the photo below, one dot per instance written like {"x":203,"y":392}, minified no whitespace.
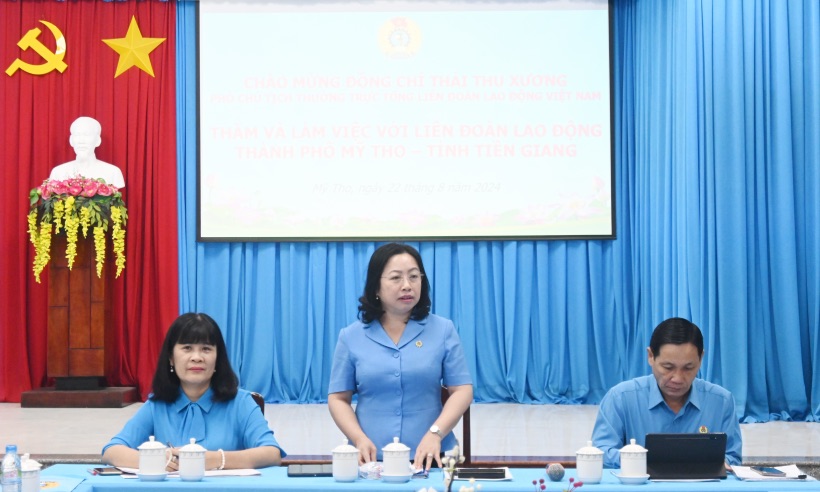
{"x":396,"y":359}
{"x":196,"y":394}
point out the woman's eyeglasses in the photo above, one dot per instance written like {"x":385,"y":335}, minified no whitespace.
{"x":413,"y":278}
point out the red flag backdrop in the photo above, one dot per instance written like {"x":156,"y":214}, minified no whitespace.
{"x":138,"y":116}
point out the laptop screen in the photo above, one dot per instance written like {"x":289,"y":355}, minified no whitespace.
{"x":686,"y":456}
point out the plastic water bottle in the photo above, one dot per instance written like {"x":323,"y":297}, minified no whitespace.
{"x":12,"y":480}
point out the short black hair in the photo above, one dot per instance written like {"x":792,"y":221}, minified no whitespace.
{"x":677,"y":331}
{"x":370,"y":308}
{"x":194,"y":328}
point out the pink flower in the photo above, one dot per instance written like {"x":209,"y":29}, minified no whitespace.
{"x":58,"y":187}
{"x":90,"y":188}
{"x":44,"y":191}
{"x":104,"y":190}
{"x":75,"y":190}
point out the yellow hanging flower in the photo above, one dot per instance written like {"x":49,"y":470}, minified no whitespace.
{"x":59,"y":209}
{"x":85,"y":219}
{"x":99,"y":248}
{"x":118,"y":237}
{"x":42,"y":249}
{"x":72,"y":224}
{"x":68,"y":205}
{"x":32,"y":227}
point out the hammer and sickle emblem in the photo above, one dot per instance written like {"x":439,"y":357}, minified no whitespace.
{"x":53,"y":60}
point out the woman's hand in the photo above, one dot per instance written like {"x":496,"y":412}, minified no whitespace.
{"x":342,"y":412}
{"x":172,"y":463}
{"x":367,"y":450}
{"x":428,"y":451}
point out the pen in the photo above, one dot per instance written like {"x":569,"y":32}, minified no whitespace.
{"x":93,"y":471}
{"x":172,"y":458}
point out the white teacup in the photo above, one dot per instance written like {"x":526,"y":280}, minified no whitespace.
{"x":396,"y":459}
{"x":589,"y":464}
{"x":633,"y":460}
{"x":30,"y":472}
{"x":345,"y":463}
{"x":153,"y":458}
{"x":191,"y":462}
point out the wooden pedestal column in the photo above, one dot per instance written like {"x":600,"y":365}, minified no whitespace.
{"x":78,"y":313}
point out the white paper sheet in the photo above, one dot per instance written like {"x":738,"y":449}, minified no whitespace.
{"x":792,"y":473}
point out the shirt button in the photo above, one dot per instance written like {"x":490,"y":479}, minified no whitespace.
{"x":395,"y":355}
{"x":398,"y":412}
{"x":398,"y":392}
{"x":397,"y":373}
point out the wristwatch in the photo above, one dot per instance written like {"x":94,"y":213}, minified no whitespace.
{"x":435,"y":430}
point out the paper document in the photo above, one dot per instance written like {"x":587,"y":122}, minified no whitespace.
{"x":791,"y":471}
{"x":239,"y":472}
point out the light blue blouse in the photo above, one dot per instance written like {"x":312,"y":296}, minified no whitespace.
{"x":230,"y":425}
{"x":399,"y":385}
{"x":634,"y":408}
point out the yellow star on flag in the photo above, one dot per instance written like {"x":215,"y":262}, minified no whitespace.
{"x":134,"y":49}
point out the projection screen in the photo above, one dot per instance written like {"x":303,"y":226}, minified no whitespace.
{"x":369,"y":120}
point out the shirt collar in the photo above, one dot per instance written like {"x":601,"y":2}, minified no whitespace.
{"x":375,"y":331}
{"x":656,"y":397}
{"x":205,"y":402}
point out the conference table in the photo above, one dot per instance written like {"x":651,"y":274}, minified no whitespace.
{"x":275,"y":478}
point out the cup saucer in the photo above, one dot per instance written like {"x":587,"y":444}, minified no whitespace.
{"x":396,"y":478}
{"x":632,"y":480}
{"x":152,"y":477}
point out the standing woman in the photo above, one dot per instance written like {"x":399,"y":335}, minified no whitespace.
{"x":196,"y":394}
{"x":396,"y":358}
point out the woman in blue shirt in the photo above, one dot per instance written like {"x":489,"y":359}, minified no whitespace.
{"x":396,"y":359}
{"x":196,"y":395}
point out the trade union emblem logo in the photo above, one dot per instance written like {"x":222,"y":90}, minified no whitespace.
{"x":399,"y":37}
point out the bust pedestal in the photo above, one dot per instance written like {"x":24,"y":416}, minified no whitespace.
{"x":77,"y":316}
{"x":79,"y":313}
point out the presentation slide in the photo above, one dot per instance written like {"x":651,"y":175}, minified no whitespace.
{"x":369,"y":120}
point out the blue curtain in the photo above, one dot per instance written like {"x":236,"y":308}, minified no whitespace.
{"x":717,"y":142}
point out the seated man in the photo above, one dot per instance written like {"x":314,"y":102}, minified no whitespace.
{"x":85,"y":137}
{"x":671,"y":400}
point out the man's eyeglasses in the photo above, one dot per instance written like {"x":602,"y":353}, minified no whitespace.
{"x":413,"y":278}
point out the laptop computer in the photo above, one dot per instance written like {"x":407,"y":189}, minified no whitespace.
{"x":686,"y":456}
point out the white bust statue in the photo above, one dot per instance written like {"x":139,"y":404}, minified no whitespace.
{"x":85,"y":137}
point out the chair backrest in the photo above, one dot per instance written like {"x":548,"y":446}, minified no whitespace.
{"x":465,"y":427}
{"x":259,"y":399}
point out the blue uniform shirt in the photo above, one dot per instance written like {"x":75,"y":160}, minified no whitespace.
{"x":634,"y":408}
{"x":399,"y":385}
{"x":231,"y":425}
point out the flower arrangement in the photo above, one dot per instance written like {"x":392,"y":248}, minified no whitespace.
{"x":541,"y":485}
{"x":73,"y":205}
{"x":553,"y":472}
